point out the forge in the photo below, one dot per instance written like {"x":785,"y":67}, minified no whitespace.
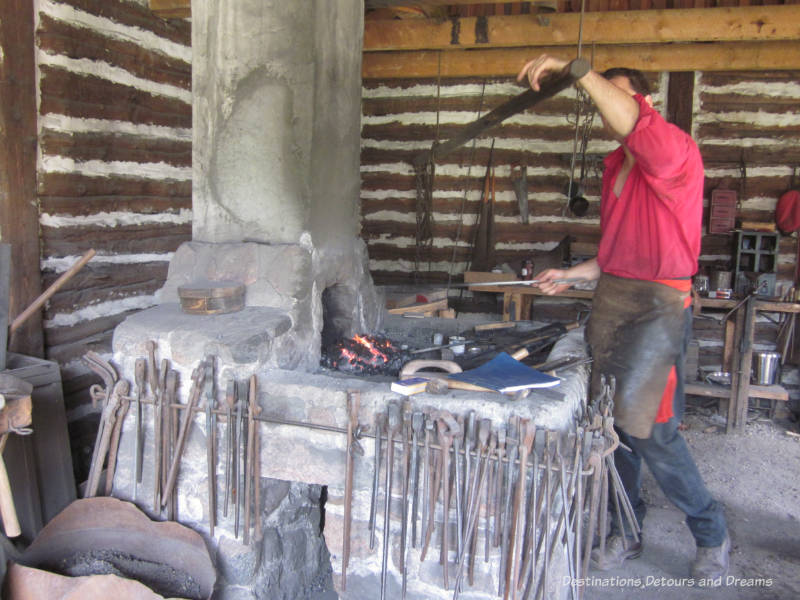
{"x":276,"y":122}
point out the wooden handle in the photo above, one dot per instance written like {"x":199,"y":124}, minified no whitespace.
{"x":45,"y":296}
{"x":7,"y":510}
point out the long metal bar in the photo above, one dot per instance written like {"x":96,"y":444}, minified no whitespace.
{"x":574,"y":71}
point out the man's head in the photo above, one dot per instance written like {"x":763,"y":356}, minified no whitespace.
{"x":630,"y":81}
{"x":636,"y":81}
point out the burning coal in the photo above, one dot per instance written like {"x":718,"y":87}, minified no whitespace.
{"x":365,"y":355}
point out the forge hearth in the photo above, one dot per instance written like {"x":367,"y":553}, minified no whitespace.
{"x":365,"y":355}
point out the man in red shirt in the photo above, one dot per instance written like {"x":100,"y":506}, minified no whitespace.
{"x":650,"y":219}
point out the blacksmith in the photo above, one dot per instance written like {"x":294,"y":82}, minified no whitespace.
{"x":650,"y":215}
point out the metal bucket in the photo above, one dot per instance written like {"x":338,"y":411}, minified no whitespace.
{"x":720,"y":280}
{"x":765,"y":367}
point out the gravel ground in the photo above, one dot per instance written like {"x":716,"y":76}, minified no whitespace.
{"x":755,"y":476}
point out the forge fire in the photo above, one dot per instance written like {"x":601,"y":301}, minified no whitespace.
{"x":367,"y":355}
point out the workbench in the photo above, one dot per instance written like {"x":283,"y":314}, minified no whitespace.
{"x":517,"y":299}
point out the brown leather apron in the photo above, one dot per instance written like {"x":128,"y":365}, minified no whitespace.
{"x":636,"y":332}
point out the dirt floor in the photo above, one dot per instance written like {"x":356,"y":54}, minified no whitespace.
{"x":756,"y":476}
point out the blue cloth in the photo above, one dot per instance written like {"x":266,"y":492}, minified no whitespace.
{"x":667,"y":456}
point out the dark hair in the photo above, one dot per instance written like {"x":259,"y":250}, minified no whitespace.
{"x":638,"y":80}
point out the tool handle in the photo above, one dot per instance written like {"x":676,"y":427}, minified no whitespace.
{"x":54,"y":287}
{"x":8,"y":511}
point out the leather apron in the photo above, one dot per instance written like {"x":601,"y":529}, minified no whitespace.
{"x":636,"y":332}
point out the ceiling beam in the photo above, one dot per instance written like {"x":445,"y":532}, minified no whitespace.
{"x":747,"y":23}
{"x":717,"y":56}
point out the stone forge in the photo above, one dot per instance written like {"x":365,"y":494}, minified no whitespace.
{"x":276,"y":143}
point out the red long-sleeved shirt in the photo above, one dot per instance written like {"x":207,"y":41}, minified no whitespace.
{"x":652,"y":230}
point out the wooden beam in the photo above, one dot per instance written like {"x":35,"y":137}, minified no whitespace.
{"x":722,"y":56}
{"x":746,"y":23}
{"x":19,"y":215}
{"x":172,"y":8}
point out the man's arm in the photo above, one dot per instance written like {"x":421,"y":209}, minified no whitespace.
{"x":617,"y":107}
{"x":588,"y":270}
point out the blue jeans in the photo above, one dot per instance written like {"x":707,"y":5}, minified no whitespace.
{"x":667,"y":456}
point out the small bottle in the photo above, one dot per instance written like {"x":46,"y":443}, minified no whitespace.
{"x":527,"y":270}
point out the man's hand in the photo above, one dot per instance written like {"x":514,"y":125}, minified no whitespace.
{"x":546,"y":279}
{"x":539,"y":68}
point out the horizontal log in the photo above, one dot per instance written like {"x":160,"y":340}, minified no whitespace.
{"x":115,"y":240}
{"x":755,"y":155}
{"x":85,"y":186}
{"x":83,"y":331}
{"x":477,"y":157}
{"x":89,"y":205}
{"x":58,"y":37}
{"x":388,"y":181}
{"x":444,"y":254}
{"x":133,"y":14}
{"x":404,"y":278}
{"x":509,"y":232}
{"x":102,"y":282}
{"x":755,"y":186}
{"x":400,"y":132}
{"x":453,"y":207}
{"x":66,"y":353}
{"x":75,"y":95}
{"x":733,"y":77}
{"x":750,"y":56}
{"x":116,"y":147}
{"x":742,"y":23}
{"x":733,"y":130}
{"x":766,"y":103}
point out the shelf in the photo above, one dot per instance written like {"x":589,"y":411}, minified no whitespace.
{"x":769,"y":392}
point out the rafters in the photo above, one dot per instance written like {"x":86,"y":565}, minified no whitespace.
{"x":720,"y":56}
{"x":749,"y":23}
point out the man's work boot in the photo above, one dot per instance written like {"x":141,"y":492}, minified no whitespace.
{"x":712,"y":563}
{"x":618,"y":550}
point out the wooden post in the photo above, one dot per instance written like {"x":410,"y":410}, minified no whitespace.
{"x":679,"y":99}
{"x":745,"y":364}
{"x":19,"y":215}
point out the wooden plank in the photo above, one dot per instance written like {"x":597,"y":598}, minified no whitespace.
{"x":734,"y":56}
{"x":19,"y":216}
{"x":756,"y":23}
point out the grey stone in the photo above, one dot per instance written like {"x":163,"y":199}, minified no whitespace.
{"x":272,"y":547}
{"x":273,"y":491}
{"x":236,"y":562}
{"x":233,"y":592}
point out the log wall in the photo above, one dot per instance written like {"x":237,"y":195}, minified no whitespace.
{"x":114,"y":169}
